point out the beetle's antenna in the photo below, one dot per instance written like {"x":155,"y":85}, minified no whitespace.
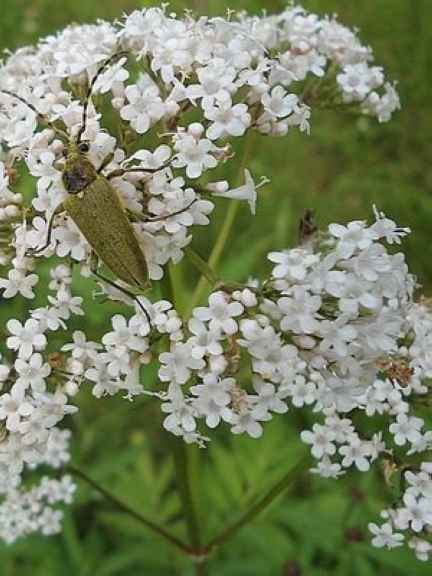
{"x":100,"y":70}
{"x":41,"y":116}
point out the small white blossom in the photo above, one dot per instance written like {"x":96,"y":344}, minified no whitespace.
{"x":220,"y":314}
{"x":385,"y":537}
{"x":144,"y":108}
{"x":246,"y":192}
{"x":25,"y":337}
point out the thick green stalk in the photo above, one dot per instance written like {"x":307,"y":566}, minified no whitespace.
{"x":202,"y":266}
{"x":131,"y":511}
{"x":182,"y":461}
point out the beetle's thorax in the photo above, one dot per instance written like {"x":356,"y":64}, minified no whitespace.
{"x":78,"y":172}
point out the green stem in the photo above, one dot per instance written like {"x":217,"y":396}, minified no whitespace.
{"x":182,"y":464}
{"x":182,"y":461}
{"x":224,"y":233}
{"x":260,"y":505}
{"x":202,"y":266}
{"x":167,"y":288}
{"x":131,"y":512}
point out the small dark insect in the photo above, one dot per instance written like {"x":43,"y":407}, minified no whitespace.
{"x":307,"y":227}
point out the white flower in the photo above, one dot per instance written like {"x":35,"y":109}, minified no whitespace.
{"x":118,"y":362}
{"x":420,"y":483}
{"x":13,"y":407}
{"x":352,"y":292}
{"x":115,"y":73}
{"x":382,"y":106}
{"x":50,"y":521}
{"x":215,"y":83}
{"x":60,"y":275}
{"x":246,"y":192}
{"x":244,"y":421}
{"x":213,"y":397}
{"x":25,"y":337}
{"x":195,"y":155}
{"x":221,"y":313}
{"x":336,"y":336}
{"x":32,"y":373}
{"x":66,"y":304}
{"x":416,"y":513}
{"x":41,"y":166}
{"x":204,"y":341}
{"x":292,"y":264}
{"x":247,"y":297}
{"x":301,"y":391}
{"x":228,"y":119}
{"x":422,"y":548}
{"x":81,"y":349}
{"x":353,"y":237}
{"x":355,"y":453}
{"x":181,"y":414}
{"x":269,"y":399}
{"x":372,"y":262}
{"x":105,"y":383}
{"x":124,"y":336}
{"x":322,"y":440}
{"x":328,"y":469}
{"x":357,"y":80}
{"x":18,"y":282}
{"x":70,"y":241}
{"x":406,"y":428}
{"x":299,"y":311}
{"x":49,"y":318}
{"x":144,"y":109}
{"x":279,"y":103}
{"x":386,"y":228}
{"x":384,"y":536}
{"x":152,"y":160}
{"x":176,"y":365}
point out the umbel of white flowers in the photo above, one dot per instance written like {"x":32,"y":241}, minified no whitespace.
{"x":334,"y":329}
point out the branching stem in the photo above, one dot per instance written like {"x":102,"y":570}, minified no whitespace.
{"x":131,"y":511}
{"x":259,"y":506}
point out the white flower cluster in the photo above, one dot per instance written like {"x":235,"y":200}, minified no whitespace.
{"x":238,"y":74}
{"x":24,"y":512}
{"x":334,"y":327}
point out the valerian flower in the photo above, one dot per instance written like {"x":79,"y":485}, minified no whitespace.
{"x":334,"y":328}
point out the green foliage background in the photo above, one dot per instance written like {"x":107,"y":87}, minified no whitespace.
{"x":348,"y":163}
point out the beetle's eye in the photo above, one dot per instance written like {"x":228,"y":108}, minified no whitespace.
{"x":65,"y":152}
{"x":84,"y":147}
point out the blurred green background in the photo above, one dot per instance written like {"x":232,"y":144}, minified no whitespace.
{"x":344,"y":166}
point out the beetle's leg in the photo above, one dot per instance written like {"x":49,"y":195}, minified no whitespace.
{"x":159,"y":218}
{"x":94,"y":270}
{"x":121,"y":171}
{"x":33,"y":251}
{"x":107,"y":160}
{"x":142,"y":218}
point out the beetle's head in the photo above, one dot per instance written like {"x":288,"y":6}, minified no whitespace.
{"x":76,"y":151}
{"x":78,"y":171}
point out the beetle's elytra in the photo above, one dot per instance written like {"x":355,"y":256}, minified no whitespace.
{"x":97,"y":211}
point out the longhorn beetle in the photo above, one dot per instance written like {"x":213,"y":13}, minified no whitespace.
{"x":95,"y":207}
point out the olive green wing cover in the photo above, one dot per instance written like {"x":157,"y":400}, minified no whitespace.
{"x":100,"y":216}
